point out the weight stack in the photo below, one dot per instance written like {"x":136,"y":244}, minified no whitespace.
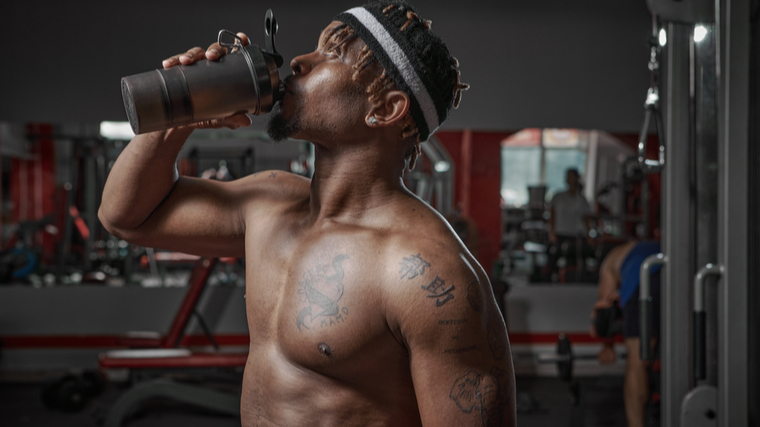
{"x":753,"y":199}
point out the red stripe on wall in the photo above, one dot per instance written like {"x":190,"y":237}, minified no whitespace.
{"x":105,"y":341}
{"x":551,"y":338}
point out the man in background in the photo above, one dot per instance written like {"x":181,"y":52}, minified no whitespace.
{"x":569,"y":223}
{"x":619,"y":284}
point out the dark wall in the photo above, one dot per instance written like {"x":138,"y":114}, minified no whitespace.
{"x":530,"y":63}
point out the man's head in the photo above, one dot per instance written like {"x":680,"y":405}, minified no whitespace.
{"x":405,"y":75}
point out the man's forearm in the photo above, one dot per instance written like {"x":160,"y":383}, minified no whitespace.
{"x":141,"y":178}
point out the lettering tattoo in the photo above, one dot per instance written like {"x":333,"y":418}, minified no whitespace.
{"x":474,"y":296}
{"x":459,"y":350}
{"x":438,"y":290}
{"x":412,"y":266}
{"x":487,"y":394}
{"x":496,"y":340}
{"x":322,"y":293}
{"x":273,"y":174}
{"x":452,"y":322}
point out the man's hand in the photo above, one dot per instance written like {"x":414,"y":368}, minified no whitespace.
{"x":604,"y":302}
{"x":213,"y":53}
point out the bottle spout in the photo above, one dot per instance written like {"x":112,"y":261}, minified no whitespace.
{"x":270,"y":29}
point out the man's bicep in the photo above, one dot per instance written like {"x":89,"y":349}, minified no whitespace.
{"x":465,"y":376}
{"x":199,"y":216}
{"x":459,"y":351}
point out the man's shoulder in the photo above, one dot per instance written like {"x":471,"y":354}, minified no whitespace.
{"x":273,"y":186}
{"x":560,"y":196}
{"x":419,"y":228}
{"x":426,"y":249}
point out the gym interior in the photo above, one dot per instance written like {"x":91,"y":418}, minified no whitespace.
{"x":652,"y":105}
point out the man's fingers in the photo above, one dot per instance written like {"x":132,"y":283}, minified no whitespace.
{"x":170,"y":62}
{"x":232,"y":122}
{"x":238,"y":120}
{"x":193,"y":55}
{"x":215,"y":51}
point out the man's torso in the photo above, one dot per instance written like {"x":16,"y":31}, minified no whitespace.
{"x":569,"y":210}
{"x":322,"y":349}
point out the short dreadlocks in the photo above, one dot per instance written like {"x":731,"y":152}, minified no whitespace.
{"x":428,"y":55}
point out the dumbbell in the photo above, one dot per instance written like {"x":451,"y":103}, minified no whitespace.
{"x":564,"y":358}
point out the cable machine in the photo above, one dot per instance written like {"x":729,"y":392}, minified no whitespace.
{"x":705,"y":204}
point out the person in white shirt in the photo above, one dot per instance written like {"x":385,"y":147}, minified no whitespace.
{"x":569,"y":221}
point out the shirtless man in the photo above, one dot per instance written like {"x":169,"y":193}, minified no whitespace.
{"x":619,"y":284}
{"x":363,"y":307}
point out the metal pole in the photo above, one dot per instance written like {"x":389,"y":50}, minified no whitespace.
{"x":677,"y":235}
{"x":700,"y":345}
{"x":732,"y":48}
{"x":645,"y":304}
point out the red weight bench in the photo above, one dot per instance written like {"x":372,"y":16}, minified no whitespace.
{"x":163,"y":354}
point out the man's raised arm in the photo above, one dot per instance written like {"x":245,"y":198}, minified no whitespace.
{"x":459,"y":351}
{"x":147,"y":203}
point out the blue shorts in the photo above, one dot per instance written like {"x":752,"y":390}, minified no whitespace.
{"x":631,"y":311}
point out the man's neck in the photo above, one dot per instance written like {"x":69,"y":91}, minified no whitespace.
{"x":348,"y":183}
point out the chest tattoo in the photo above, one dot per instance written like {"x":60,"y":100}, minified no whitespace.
{"x":321,"y":291}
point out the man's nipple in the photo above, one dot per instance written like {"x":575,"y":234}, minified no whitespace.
{"x":325,"y":349}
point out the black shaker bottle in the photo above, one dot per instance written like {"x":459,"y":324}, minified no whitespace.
{"x":246,"y":80}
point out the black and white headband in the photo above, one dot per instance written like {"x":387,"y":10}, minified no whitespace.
{"x":400,"y":60}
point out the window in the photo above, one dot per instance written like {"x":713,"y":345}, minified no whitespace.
{"x":520,"y":168}
{"x":540,"y":157}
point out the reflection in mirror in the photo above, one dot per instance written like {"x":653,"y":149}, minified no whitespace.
{"x":568,"y":196}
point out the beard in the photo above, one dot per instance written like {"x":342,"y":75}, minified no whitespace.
{"x":279,"y":127}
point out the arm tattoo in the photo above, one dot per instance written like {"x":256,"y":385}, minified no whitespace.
{"x":273,"y":174}
{"x":437,"y":289}
{"x":487,"y":394}
{"x":412,"y":266}
{"x":321,"y":293}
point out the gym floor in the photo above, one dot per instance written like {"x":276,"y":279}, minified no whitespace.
{"x":541,"y":401}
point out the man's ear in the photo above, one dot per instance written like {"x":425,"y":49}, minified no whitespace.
{"x":391,"y":108}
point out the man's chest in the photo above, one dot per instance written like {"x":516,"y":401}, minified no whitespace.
{"x":572,"y":205}
{"x":319,"y":299}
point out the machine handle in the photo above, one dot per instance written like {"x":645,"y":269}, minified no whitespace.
{"x":700,"y":345}
{"x":645,"y":303}
{"x":652,"y":109}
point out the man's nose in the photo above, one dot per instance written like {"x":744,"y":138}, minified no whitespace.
{"x":301,"y":64}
